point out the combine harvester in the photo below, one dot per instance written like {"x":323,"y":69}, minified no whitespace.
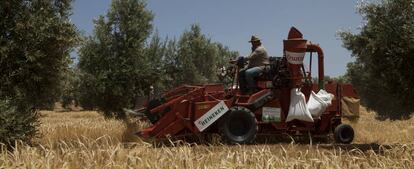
{"x":286,"y":102}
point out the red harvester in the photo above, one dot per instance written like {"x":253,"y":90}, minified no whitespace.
{"x":211,"y":108}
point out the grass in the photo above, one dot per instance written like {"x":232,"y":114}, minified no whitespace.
{"x":87,"y":140}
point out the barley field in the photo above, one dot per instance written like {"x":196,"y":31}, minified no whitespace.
{"x":85,"y":139}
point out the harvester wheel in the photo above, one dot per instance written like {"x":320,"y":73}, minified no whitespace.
{"x":344,"y":133}
{"x":238,"y":126}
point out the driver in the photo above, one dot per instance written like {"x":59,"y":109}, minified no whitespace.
{"x":257,"y":61}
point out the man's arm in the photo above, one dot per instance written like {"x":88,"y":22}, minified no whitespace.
{"x":257,"y":52}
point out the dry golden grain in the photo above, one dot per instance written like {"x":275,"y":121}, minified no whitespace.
{"x":87,"y":140}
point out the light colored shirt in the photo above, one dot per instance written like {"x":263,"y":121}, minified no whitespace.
{"x":258,"y":58}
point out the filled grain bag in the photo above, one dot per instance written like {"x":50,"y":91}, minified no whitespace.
{"x":318,"y":103}
{"x":297,"y":108}
{"x":350,"y":107}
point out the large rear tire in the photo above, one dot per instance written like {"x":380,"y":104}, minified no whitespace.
{"x":238,"y":126}
{"x":344,"y":133}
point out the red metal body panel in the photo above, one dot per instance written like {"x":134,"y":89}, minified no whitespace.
{"x":349,"y":91}
{"x":187,"y":108}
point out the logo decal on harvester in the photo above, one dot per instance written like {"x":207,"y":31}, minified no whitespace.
{"x":211,"y":116}
{"x":295,"y":58}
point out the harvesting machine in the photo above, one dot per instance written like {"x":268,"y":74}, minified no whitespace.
{"x":239,"y":118}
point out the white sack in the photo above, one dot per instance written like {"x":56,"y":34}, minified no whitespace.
{"x":297,"y":108}
{"x":318,"y":103}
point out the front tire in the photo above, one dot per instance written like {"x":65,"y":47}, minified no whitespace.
{"x":344,"y":133}
{"x":238,"y":126}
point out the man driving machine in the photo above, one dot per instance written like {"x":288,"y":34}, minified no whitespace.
{"x":257,"y":61}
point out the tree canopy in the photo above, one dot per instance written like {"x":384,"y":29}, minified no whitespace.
{"x":114,"y":67}
{"x":195,"y":58}
{"x":36,"y":38}
{"x":384,"y":50}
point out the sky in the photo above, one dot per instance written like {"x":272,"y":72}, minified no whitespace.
{"x":232,"y":22}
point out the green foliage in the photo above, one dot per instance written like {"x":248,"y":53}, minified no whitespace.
{"x":88,"y":91}
{"x":113,"y":64}
{"x":382,"y":72}
{"x":117,"y":66}
{"x":170,"y":65}
{"x":36,"y":37}
{"x":156,"y":51}
{"x":70,"y":86}
{"x":16,"y":125}
{"x":194,"y":59}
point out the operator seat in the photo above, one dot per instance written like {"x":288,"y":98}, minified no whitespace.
{"x":274,"y":68}
{"x":275,"y":74}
